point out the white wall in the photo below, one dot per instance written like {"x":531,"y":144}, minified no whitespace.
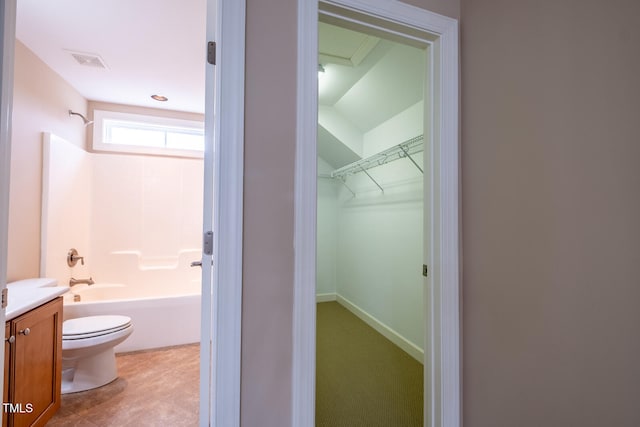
{"x":406,"y":125}
{"x":327,"y":222}
{"x":341,"y":128}
{"x":136,"y":219}
{"x":379,"y":262}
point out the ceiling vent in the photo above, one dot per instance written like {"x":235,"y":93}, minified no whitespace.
{"x":88,"y":59}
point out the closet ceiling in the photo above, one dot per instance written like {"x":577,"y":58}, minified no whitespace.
{"x":157,"y":47}
{"x":366,"y":79}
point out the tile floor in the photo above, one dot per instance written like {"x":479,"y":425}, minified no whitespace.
{"x":154,"y":388}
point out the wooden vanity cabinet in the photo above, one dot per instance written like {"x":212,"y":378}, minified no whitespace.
{"x":33,"y":366}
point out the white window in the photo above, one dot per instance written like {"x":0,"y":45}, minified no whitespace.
{"x":135,"y":133}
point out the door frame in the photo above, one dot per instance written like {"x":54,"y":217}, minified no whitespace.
{"x":442,"y":352}
{"x":220,"y":343}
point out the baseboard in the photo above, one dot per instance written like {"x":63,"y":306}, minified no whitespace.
{"x":406,"y":345}
{"x":325,"y":297}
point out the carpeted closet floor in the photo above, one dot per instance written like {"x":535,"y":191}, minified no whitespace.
{"x":363,"y":379}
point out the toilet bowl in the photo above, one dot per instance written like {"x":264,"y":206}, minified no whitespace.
{"x":88,"y":357}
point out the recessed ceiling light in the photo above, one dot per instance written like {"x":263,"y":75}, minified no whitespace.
{"x":159,"y":98}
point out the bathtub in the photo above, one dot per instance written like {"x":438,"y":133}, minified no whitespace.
{"x":166,"y":319}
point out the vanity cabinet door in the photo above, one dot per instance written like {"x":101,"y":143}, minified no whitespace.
{"x":7,"y":356}
{"x":36,"y":366}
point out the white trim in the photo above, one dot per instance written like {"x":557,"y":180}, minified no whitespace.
{"x":224,"y":122}
{"x":8,"y":30}
{"x":304,"y":276}
{"x":410,"y":348}
{"x":442,"y":355}
{"x":445,"y":334}
{"x":326,"y":297}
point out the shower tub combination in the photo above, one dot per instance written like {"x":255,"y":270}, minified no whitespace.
{"x":164,"y":309}
{"x":137,"y":238}
{"x":161,"y":295}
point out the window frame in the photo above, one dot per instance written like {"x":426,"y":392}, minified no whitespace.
{"x":98,"y":143}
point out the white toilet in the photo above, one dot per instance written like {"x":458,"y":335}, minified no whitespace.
{"x":88,"y":357}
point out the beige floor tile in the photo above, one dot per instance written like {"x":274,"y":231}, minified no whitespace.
{"x":153,"y":388}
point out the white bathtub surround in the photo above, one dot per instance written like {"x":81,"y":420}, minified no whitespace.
{"x":119,"y":211}
{"x":146,"y":275}
{"x":66,"y":208}
{"x":146,"y":215}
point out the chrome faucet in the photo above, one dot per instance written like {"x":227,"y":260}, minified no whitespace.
{"x":88,"y":281}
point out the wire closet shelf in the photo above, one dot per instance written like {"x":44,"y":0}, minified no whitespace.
{"x":403,"y":150}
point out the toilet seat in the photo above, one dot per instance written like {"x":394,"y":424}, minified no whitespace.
{"x":93,"y":326}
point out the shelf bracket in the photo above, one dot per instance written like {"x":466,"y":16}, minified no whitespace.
{"x":371,"y":178}
{"x":406,"y":153}
{"x":344,"y":182}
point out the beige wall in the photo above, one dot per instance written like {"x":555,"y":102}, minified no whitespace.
{"x":450,"y":8}
{"x":270,"y":114}
{"x":551,"y":210}
{"x":41,"y":101}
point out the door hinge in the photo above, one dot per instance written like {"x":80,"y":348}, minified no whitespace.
{"x":211,"y":53}
{"x":207,"y":243}
{"x":425,"y":270}
{"x":5,"y":297}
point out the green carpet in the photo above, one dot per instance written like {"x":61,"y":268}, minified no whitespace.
{"x":363,"y":379}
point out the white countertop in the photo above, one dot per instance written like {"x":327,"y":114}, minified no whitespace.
{"x":22,"y":299}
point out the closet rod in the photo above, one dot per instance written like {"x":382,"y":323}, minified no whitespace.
{"x":404,"y":149}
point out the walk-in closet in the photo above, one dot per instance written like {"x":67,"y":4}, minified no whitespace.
{"x":370,"y":222}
